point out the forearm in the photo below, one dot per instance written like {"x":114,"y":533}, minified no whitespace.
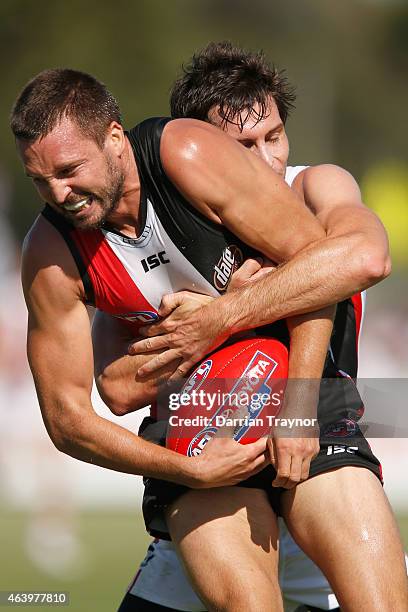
{"x":292,"y":449}
{"x":309,"y":339}
{"x":116,"y":377}
{"x":324,"y":274}
{"x":96,"y":440}
{"x":84,"y":435}
{"x":121,"y":388}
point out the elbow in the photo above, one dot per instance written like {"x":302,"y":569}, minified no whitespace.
{"x":62,"y":444}
{"x":374,"y":268}
{"x":116,"y":397}
{"x":386,"y":267}
{"x":119,"y":407}
{"x":63,"y":435}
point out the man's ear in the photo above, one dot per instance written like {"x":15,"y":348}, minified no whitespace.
{"x":115,"y":138}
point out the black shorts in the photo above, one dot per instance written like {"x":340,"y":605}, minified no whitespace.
{"x":340,"y":445}
{"x":132,"y":603}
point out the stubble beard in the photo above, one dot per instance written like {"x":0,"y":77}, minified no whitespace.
{"x":107,"y":199}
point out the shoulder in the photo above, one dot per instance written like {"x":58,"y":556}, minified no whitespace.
{"x":190,"y":140}
{"x":326,"y":185}
{"x":186,"y":129}
{"x":47,"y":261}
{"x":203,"y":161}
{"x":328,"y":174}
{"x":173,"y":134}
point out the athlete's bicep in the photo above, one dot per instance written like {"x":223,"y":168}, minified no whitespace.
{"x":334,"y":197}
{"x":58,"y":338}
{"x":60,"y":357}
{"x":232,"y":186}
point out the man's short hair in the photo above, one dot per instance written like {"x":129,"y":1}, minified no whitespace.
{"x":58,"y":93}
{"x":234,"y":80}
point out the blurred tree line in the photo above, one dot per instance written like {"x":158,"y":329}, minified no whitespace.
{"x":347,"y":59}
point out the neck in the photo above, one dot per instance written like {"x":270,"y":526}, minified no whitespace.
{"x":126,"y":216}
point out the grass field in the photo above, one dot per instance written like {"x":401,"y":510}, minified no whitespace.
{"x":113,"y":545}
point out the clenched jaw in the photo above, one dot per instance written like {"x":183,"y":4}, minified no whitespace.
{"x":76,"y":206}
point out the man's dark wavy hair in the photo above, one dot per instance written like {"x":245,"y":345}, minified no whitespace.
{"x":234,"y":80}
{"x":62,"y":92}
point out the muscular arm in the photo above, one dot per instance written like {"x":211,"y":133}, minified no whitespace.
{"x":235,"y":188}
{"x":244,"y":179}
{"x":60,"y":356}
{"x":118,"y":383}
{"x":116,"y":377}
{"x":351,"y":256}
{"x":280,"y":228}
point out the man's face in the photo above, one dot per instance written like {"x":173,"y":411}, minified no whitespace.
{"x":81,"y":181}
{"x":267,"y":138}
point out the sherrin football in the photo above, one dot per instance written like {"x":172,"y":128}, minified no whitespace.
{"x":236,"y":391}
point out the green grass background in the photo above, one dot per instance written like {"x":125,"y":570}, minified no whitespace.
{"x":114,"y":544}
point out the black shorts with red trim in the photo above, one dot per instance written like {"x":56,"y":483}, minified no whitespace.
{"x":341,"y":444}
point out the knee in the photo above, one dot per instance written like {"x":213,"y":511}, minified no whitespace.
{"x":237,"y":596}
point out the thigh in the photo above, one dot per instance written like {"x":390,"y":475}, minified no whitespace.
{"x":301,"y":581}
{"x":343,"y":521}
{"x":228,"y":540}
{"x":161,"y":579}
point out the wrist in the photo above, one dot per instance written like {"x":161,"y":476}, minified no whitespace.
{"x":224,"y":311}
{"x":190,"y":474}
{"x":235,"y":307}
{"x":301,"y":398}
{"x":218,"y":315}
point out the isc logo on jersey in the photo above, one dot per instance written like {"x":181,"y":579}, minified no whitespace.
{"x":153,"y":261}
{"x":250,"y":391}
{"x":338,"y":449}
{"x":230,"y":260}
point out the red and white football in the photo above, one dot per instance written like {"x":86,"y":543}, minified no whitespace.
{"x":237,"y":389}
